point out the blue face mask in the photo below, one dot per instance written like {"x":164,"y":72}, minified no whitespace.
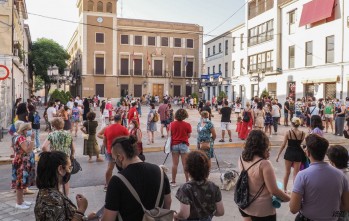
{"x":29,"y":133}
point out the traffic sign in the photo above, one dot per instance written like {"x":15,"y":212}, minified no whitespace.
{"x":4,"y":72}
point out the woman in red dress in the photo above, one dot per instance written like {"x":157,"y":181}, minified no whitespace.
{"x":247,"y":122}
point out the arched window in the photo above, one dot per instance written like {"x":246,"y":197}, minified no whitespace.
{"x":109,"y":7}
{"x":90,"y":5}
{"x":100,"y":6}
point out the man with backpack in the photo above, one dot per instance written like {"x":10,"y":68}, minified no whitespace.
{"x":139,"y":186}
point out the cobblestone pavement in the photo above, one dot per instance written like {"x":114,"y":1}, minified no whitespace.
{"x":91,"y":180}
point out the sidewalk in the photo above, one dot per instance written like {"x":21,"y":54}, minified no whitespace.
{"x":276,"y":140}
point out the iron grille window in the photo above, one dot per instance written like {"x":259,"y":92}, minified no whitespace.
{"x":151,"y":41}
{"x":178,"y":42}
{"x":124,"y":66}
{"x":164,"y":41}
{"x":189,"y":69}
{"x":137,"y":66}
{"x":99,"y":37}
{"x":124,"y":39}
{"x":157,"y":67}
{"x":99,"y":64}
{"x":177,"y":68}
{"x":190,"y":43}
{"x":138,"y":40}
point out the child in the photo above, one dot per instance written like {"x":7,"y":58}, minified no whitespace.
{"x":238,"y":125}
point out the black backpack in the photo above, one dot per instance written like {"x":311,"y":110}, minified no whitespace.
{"x":242,"y":192}
{"x":246,"y":117}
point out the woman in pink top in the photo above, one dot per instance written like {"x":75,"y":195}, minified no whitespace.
{"x":260,"y":176}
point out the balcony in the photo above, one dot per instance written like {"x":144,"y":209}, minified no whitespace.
{"x":256,"y":8}
{"x":282,"y":2}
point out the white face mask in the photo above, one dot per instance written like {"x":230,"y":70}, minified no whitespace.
{"x":132,"y":126}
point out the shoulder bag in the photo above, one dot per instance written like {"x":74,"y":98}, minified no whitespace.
{"x":86,"y":136}
{"x":167,"y":147}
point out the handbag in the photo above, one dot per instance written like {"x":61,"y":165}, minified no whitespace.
{"x":205,"y":145}
{"x":76,"y":167}
{"x":167,"y":147}
{"x":86,"y":136}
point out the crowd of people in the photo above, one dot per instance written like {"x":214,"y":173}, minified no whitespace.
{"x":200,"y":199}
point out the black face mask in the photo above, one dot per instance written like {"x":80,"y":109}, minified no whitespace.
{"x":66,"y":178}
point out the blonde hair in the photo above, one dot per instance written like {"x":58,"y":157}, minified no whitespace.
{"x":296,"y":121}
{"x":248,"y":104}
{"x":57,"y":123}
{"x":205,"y":114}
{"x":23,"y":127}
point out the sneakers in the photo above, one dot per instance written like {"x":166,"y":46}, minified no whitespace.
{"x":27,"y":203}
{"x":173,"y":184}
{"x":22,"y":206}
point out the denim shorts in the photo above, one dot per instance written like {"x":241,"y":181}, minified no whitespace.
{"x":180,"y":148}
{"x":108,"y":157}
{"x":202,"y":219}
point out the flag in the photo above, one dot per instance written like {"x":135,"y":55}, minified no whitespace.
{"x":185,"y":60}
{"x":148,"y":58}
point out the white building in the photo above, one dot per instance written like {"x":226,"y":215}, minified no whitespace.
{"x":289,"y":48}
{"x":315,"y":35}
{"x":222,"y":60}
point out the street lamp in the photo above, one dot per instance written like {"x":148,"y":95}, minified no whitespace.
{"x":145,"y":84}
{"x":259,"y":77}
{"x":211,"y":78}
{"x":187,"y":82}
{"x":171,"y":84}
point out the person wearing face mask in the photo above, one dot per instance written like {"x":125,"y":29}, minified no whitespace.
{"x":206,"y":132}
{"x":144,"y":178}
{"x":23,"y":165}
{"x":60,"y":140}
{"x":136,"y":131}
{"x":53,"y":172}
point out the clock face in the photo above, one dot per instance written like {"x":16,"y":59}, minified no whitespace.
{"x":99,"y":19}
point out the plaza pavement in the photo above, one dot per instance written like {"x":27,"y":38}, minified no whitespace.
{"x":90,"y":181}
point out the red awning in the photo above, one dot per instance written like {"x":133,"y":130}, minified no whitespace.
{"x":316,"y":10}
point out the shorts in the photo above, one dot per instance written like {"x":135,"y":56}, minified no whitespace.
{"x":329,"y":116}
{"x":286,"y":115}
{"x":180,"y":148}
{"x":109,"y":157}
{"x":226,"y":126}
{"x":164,"y":122}
{"x":298,"y":114}
{"x":254,"y":218}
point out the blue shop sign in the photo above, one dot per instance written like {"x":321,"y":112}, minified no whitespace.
{"x":207,"y":76}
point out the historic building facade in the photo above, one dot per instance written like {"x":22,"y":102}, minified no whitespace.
{"x":15,"y":43}
{"x":112,"y":57}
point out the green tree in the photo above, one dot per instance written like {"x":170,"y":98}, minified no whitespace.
{"x":38,"y":83}
{"x":265,"y":93}
{"x":46,"y":52}
{"x":221,"y":95}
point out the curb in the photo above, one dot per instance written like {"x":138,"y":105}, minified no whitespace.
{"x":7,"y":160}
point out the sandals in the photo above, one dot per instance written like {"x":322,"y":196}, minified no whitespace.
{"x":173,"y":184}
{"x":230,"y":140}
{"x":221,"y":140}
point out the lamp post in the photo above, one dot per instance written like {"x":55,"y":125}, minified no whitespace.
{"x":66,"y":75}
{"x":220,"y":79}
{"x":259,"y":77}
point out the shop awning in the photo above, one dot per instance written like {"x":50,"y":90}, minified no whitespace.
{"x":316,"y":10}
{"x":320,"y":80}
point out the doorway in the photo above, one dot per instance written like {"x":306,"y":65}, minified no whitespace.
{"x":158,"y":89}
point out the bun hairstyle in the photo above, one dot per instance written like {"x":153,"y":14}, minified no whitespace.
{"x":296,"y":121}
{"x":127,"y":144}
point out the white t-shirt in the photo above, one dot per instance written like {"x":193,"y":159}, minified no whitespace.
{"x":50,"y":112}
{"x":275,"y":110}
{"x":70,"y":104}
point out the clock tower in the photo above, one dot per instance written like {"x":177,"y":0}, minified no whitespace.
{"x":98,"y":21}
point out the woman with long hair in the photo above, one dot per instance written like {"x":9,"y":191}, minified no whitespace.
{"x":328,"y":112}
{"x":22,"y":112}
{"x":259,"y":116}
{"x":54,"y":170}
{"x":294,"y":154}
{"x":200,"y":199}
{"x":136,"y":131}
{"x":180,"y":133}
{"x":86,"y":105}
{"x":316,"y":125}
{"x":247,"y":121}
{"x":268,"y":118}
{"x":261,"y":176}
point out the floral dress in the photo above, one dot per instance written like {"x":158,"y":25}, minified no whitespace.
{"x":61,"y":140}
{"x":204,"y":134}
{"x":23,"y":166}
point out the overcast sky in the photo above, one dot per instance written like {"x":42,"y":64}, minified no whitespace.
{"x":207,"y":13}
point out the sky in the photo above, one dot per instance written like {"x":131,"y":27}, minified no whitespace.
{"x":207,"y":13}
